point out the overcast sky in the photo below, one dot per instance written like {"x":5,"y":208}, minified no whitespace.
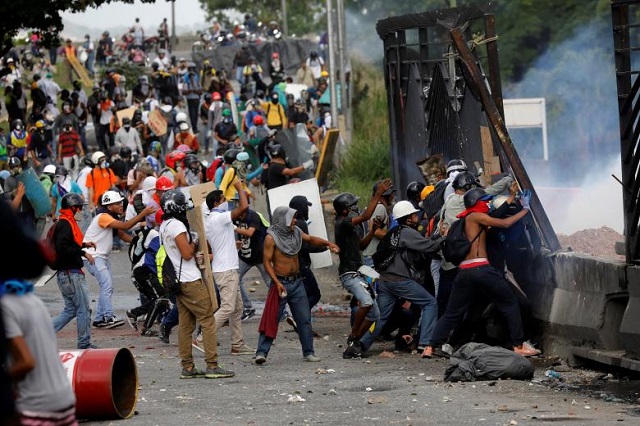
{"x":188,"y":13}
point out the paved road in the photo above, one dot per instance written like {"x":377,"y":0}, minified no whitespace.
{"x":402,"y":390}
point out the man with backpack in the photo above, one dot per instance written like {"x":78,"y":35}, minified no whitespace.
{"x":477,"y":277}
{"x":401,"y":275}
{"x":67,"y":239}
{"x":349,"y":236}
{"x":192,"y":297}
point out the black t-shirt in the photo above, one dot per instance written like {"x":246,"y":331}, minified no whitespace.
{"x":348,"y":239}
{"x":298,"y":117}
{"x":275,"y":178}
{"x":251,"y":250}
{"x":39,"y":145}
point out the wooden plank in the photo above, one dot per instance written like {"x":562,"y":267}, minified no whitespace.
{"x":81,"y":71}
{"x":487,"y":154}
{"x":157,"y":123}
{"x":198,"y":194}
{"x":326,"y":155}
{"x":125,"y":113}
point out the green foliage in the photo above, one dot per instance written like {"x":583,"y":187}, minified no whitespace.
{"x":42,"y":15}
{"x":366,"y":159}
{"x":303,"y":17}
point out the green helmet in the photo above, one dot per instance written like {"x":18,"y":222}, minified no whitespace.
{"x":226,"y":112}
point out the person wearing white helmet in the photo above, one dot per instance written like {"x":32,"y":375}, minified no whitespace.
{"x":401,"y":278}
{"x":101,"y":232}
{"x":99,"y":179}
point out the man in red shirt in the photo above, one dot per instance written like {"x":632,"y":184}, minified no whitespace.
{"x":69,"y":146}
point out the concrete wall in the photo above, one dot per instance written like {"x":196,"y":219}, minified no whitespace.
{"x":589,"y":302}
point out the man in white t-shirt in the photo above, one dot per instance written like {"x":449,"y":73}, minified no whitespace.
{"x":193,"y":300}
{"x":100,"y":231}
{"x":219,"y":227}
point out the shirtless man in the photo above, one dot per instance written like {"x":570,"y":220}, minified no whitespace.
{"x":477,"y":277}
{"x":281,"y":246}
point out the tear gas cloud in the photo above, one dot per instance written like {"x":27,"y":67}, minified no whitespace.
{"x":577,"y":80}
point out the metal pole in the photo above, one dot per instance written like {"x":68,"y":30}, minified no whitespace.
{"x":285,"y":28}
{"x":173,"y":21}
{"x":344,"y":104}
{"x":332,"y":66}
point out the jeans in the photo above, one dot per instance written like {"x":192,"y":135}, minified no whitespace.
{"x":435,"y":274}
{"x":299,"y":305}
{"x":170,"y":320}
{"x":467,"y":286}
{"x":244,"y":268}
{"x":388,"y":294}
{"x":355,"y":284}
{"x":73,"y":287}
{"x":192,"y":105}
{"x":101,"y":270}
{"x":310,"y":287}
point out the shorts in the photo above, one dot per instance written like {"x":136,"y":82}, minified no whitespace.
{"x":357,"y":285}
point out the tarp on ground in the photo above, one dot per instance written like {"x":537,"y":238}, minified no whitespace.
{"x":292,"y":53}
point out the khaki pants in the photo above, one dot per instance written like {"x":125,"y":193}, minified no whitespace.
{"x":228,"y":283}
{"x":194,"y":305}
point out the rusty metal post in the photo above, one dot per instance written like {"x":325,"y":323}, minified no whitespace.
{"x":493,"y":61}
{"x":497,"y":122}
{"x":622,"y":55}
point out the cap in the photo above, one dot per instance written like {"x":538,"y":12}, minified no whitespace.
{"x":300,"y":199}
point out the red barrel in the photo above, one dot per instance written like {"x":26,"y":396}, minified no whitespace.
{"x":105,"y":382}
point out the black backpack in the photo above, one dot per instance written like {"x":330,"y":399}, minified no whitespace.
{"x":136,"y":246}
{"x":169,"y":276}
{"x":456,"y":245}
{"x":387,"y":248}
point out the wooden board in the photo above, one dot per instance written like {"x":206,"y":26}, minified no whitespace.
{"x":198,"y":194}
{"x":125,"y":113}
{"x":81,"y":71}
{"x":491,"y":164}
{"x":157,"y":123}
{"x":326,"y":155}
{"x":309,"y":188}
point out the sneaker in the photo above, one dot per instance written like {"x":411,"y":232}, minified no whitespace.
{"x":243,"y":350}
{"x":191,"y":374}
{"x":260,"y":359}
{"x":312,"y":358}
{"x":91,"y":346}
{"x":113,"y":322}
{"x":116,"y":249}
{"x":218,"y":373}
{"x":99,"y":324}
{"x":353,"y":351}
{"x":248,"y":313}
{"x":164,"y":333}
{"x":197,"y":345}
{"x":292,"y":323}
{"x":132,"y":320}
{"x":526,"y":350}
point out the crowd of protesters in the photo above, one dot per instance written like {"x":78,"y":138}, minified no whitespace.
{"x":184,"y":125}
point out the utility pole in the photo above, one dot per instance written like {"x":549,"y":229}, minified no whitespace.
{"x":332,"y":66}
{"x":342,"y":58}
{"x":285,"y":27}
{"x":173,"y":22}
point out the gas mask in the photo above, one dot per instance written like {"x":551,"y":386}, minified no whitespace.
{"x":67,"y":129}
{"x":103,"y":164}
{"x":353,"y":211}
{"x":127,"y":127}
{"x":78,"y":214}
{"x":15,"y":171}
{"x":19,"y":128}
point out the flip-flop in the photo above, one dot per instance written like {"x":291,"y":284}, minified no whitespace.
{"x":427,"y":353}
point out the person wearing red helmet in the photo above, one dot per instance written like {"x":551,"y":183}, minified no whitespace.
{"x":214,"y":117}
{"x":174,"y":168}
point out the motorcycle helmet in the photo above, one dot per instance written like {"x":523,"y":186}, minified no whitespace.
{"x":344,"y":201}
{"x":71,"y":199}
{"x":173,"y":203}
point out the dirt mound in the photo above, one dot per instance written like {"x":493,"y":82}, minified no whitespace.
{"x":595,"y":242}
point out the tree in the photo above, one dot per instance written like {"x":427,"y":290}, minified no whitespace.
{"x":303,"y":17}
{"x":41,"y":15}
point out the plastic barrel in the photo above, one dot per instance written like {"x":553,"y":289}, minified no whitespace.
{"x":35,"y":192}
{"x":105,"y":382}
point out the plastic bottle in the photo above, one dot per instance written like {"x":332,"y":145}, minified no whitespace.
{"x":553,"y":374}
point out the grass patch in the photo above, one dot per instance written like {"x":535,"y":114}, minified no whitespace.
{"x":367,"y":157}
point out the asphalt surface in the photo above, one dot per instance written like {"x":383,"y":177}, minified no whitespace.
{"x":286,"y":390}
